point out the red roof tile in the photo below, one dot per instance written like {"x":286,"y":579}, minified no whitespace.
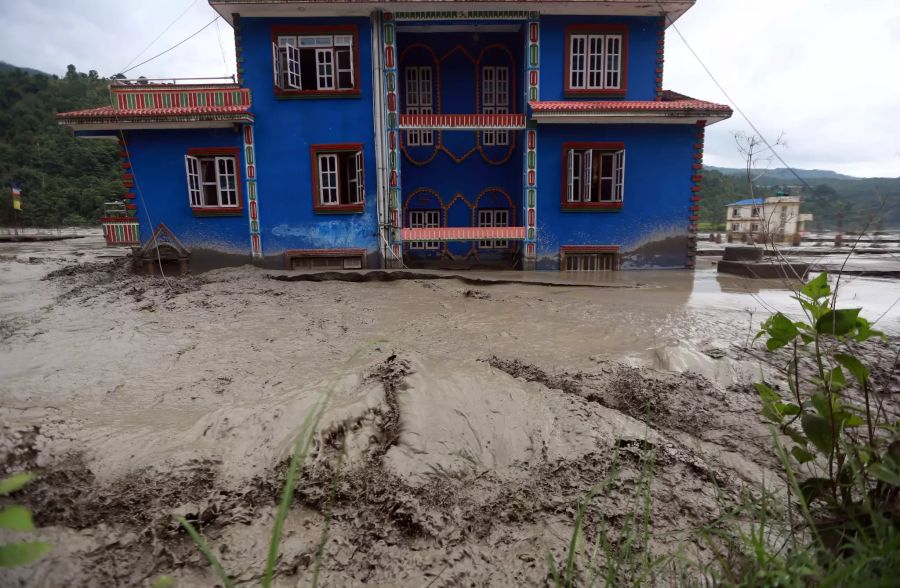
{"x":108,"y":112}
{"x":671,"y":102}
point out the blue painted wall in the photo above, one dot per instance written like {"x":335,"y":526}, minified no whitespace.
{"x":157,"y":159}
{"x":652,"y":226}
{"x":286,"y":128}
{"x":493,"y":166}
{"x":642,"y":44}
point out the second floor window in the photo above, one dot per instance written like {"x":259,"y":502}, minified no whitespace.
{"x":594,"y":176}
{"x":595,"y":61}
{"x":338,"y":178}
{"x":754,"y":211}
{"x":314,"y":62}
{"x":736,"y":213}
{"x":419,"y":100}
{"x":495,"y":100}
{"x":212,"y":181}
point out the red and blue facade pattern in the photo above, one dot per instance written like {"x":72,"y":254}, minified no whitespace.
{"x":123,"y":230}
{"x":529,"y":180}
{"x":251,"y":189}
{"x":660,"y":57}
{"x":392,"y":130}
{"x":696,"y":179}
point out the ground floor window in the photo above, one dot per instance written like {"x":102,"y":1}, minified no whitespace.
{"x":587,"y":258}
{"x":595,"y":175}
{"x":212,"y":178}
{"x":424,"y":219}
{"x":754,"y":228}
{"x":338,"y":179}
{"x":735,"y":226}
{"x":493,"y":218}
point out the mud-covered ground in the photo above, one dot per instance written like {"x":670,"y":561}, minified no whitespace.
{"x":465,"y":420}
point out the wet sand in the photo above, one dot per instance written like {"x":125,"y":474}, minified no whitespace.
{"x":466,"y":421}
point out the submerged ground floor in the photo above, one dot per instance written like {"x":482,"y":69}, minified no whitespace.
{"x":580,"y":186}
{"x":474,"y":415}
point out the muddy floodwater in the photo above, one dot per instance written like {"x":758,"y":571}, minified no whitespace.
{"x":466,"y":418}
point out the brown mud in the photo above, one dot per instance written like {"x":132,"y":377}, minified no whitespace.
{"x":463,"y":426}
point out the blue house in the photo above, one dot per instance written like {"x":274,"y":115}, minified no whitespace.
{"x":527,"y":135}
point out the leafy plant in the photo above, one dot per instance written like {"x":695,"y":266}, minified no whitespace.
{"x":18,"y":518}
{"x":845,"y":444}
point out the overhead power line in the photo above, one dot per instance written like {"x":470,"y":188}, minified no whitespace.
{"x":733,"y":102}
{"x":183,"y":41}
{"x":166,"y":30}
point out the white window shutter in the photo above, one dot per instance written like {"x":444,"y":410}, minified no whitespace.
{"x":570,"y":177}
{"x":192,"y":167}
{"x":276,"y":67}
{"x":620,"y":174}
{"x":292,"y":54}
{"x":587,"y":177}
{"x":360,"y":185}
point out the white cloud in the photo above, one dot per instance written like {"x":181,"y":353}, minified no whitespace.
{"x":819,"y":70}
{"x":106,"y":34}
{"x":822,"y":71}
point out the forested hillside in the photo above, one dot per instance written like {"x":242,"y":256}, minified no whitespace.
{"x":836,"y":201}
{"x":64,"y":181}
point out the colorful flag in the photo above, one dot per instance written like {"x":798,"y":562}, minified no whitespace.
{"x":17,"y":197}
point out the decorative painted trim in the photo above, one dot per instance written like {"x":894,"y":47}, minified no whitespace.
{"x":566,"y":249}
{"x":161,"y":97}
{"x":446,"y":234}
{"x":314,"y":151}
{"x":321,"y":29}
{"x":127,"y":184}
{"x":603,"y":206}
{"x":392,"y":130}
{"x":695,"y":196}
{"x":238,"y":48}
{"x":466,"y":15}
{"x":529,"y":156}
{"x":473,"y":207}
{"x":475,"y":121}
{"x":252,"y":194}
{"x":121,"y":230}
{"x":464,"y":122}
{"x":596,"y":29}
{"x":660,"y":56}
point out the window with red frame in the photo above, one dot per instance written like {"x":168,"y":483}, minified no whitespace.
{"x":595,"y":60}
{"x":338,"y":177}
{"x":315,"y":61}
{"x":212,"y":179}
{"x":595,"y":174}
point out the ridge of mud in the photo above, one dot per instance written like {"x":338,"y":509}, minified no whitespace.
{"x":651,"y":397}
{"x":86,"y":281}
{"x":397,"y":275}
{"x":374,"y":511}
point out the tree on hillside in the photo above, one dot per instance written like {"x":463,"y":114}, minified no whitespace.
{"x":63,"y":180}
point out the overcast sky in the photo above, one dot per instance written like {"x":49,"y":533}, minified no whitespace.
{"x":822,"y":71}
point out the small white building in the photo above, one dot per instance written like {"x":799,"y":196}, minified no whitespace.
{"x":770,"y":219}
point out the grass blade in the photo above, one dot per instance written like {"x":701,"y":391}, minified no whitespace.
{"x":204,"y":548}
{"x":301,"y":448}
